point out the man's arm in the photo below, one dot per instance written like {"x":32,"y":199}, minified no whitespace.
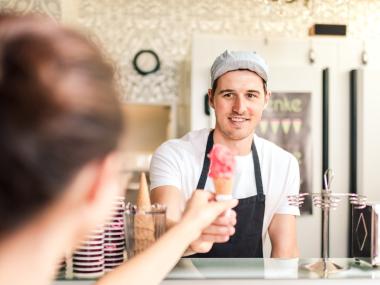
{"x":171,"y":197}
{"x":283,"y":236}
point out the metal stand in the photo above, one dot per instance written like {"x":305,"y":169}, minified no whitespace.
{"x":326,"y":200}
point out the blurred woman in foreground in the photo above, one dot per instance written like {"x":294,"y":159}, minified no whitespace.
{"x":61,"y":129}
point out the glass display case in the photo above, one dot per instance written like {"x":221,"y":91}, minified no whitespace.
{"x":258,"y":271}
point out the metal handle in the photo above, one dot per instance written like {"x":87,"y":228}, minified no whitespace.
{"x":328,"y":177}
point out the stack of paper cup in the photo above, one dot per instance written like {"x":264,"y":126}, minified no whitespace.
{"x":114,"y":243}
{"x":88,"y":258}
{"x":61,"y":271}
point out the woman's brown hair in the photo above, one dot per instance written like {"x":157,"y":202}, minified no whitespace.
{"x":58,"y":111}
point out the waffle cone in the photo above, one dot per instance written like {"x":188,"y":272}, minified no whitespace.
{"x":223,"y":186}
{"x":143,"y":198}
{"x":143,"y":232}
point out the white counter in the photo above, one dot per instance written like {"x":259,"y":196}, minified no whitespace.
{"x":258,"y":271}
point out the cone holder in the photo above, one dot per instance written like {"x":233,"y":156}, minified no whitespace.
{"x":326,"y":200}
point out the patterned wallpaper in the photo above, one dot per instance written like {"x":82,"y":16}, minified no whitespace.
{"x":124,"y":27}
{"x":47,"y":7}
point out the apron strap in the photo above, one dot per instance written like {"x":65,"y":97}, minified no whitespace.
{"x":259,"y":182}
{"x":206,"y":162}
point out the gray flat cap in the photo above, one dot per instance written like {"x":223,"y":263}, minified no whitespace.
{"x":235,"y":60}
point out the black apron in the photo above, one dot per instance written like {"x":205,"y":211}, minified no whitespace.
{"x":247,"y":240}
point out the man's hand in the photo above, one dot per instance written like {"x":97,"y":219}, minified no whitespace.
{"x":217,"y":230}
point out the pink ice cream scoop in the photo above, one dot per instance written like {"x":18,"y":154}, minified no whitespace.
{"x":221,"y":170}
{"x":222,"y":162}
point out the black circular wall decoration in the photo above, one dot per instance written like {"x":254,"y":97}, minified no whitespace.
{"x":146,"y":62}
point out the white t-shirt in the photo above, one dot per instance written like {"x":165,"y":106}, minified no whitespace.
{"x":178,"y":162}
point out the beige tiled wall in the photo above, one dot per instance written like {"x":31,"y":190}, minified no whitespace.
{"x":124,"y":27}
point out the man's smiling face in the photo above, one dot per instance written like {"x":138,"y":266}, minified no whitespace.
{"x":238,"y":100}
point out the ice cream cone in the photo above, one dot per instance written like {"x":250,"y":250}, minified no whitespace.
{"x":223,"y":186}
{"x":143,"y":198}
{"x":143,"y":223}
{"x":221,"y":171}
{"x":143,"y":232}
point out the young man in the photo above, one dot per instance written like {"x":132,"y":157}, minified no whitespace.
{"x":61,"y":128}
{"x":265,"y":174}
